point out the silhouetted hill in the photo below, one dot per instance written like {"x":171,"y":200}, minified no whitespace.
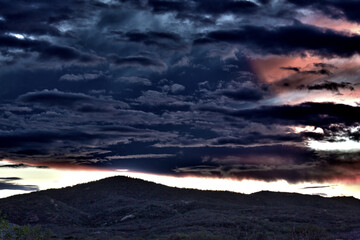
{"x":126,"y":208}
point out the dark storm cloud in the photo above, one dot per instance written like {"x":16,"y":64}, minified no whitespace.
{"x":218,"y":156}
{"x":258,"y":138}
{"x":20,"y":17}
{"x":37,"y":138}
{"x":322,"y":71}
{"x":244,"y":94}
{"x":202,"y":6}
{"x":160,"y":101}
{"x":287,"y":39}
{"x":24,"y":27}
{"x":20,"y":11}
{"x":318,"y":72}
{"x":168,"y":86}
{"x":47,"y":51}
{"x":14,"y":26}
{"x":162,"y":40}
{"x":324,"y":65}
{"x":152,"y":37}
{"x":66,"y":53}
{"x":309,"y":113}
{"x":6,"y":183}
{"x":295,"y":69}
{"x":138,"y":61}
{"x":291,"y":173}
{"x":330,"y":86}
{"x":341,"y":131}
{"x":54,"y":97}
{"x":13,"y":42}
{"x":10,"y":178}
{"x":318,"y":76}
{"x":20,"y":165}
{"x":169,"y":6}
{"x":262,"y":164}
{"x":67,"y":141}
{"x":78,"y":101}
{"x":50,"y":146}
{"x":312,"y":187}
{"x":227,"y":6}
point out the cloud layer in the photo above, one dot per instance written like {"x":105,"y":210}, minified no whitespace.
{"x":219,"y":88}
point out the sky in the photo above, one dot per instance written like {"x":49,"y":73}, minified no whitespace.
{"x":213,"y":94}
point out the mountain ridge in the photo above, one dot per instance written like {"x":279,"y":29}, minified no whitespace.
{"x":128,"y":208}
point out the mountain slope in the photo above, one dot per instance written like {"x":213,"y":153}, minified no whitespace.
{"x":125,"y":208}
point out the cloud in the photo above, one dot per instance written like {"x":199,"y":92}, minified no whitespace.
{"x":138,"y":61}
{"x":258,"y":138}
{"x":6,"y":184}
{"x":244,"y":94}
{"x":295,"y":69}
{"x":309,"y":113}
{"x":47,"y":51}
{"x":176,"y":88}
{"x":227,"y":6}
{"x":53,"y":97}
{"x":323,"y":71}
{"x":184,"y":61}
{"x":347,"y":8}
{"x":14,"y":42}
{"x":330,"y":86}
{"x":274,"y":167}
{"x":77,"y":101}
{"x":80,"y":77}
{"x":135,"y":80}
{"x":291,"y":39}
{"x":162,"y":101}
{"x":18,"y":12}
{"x":162,"y":40}
{"x":10,"y":178}
{"x":160,"y":6}
{"x":39,"y":138}
{"x":312,"y":187}
{"x":138,"y":156}
{"x":209,"y":7}
{"x":66,"y":53}
{"x":241,"y":89}
{"x":20,"y":165}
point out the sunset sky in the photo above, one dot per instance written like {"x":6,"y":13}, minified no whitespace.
{"x":212,"y":94}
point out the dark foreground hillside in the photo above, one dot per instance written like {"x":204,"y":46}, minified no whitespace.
{"x":125,"y":208}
